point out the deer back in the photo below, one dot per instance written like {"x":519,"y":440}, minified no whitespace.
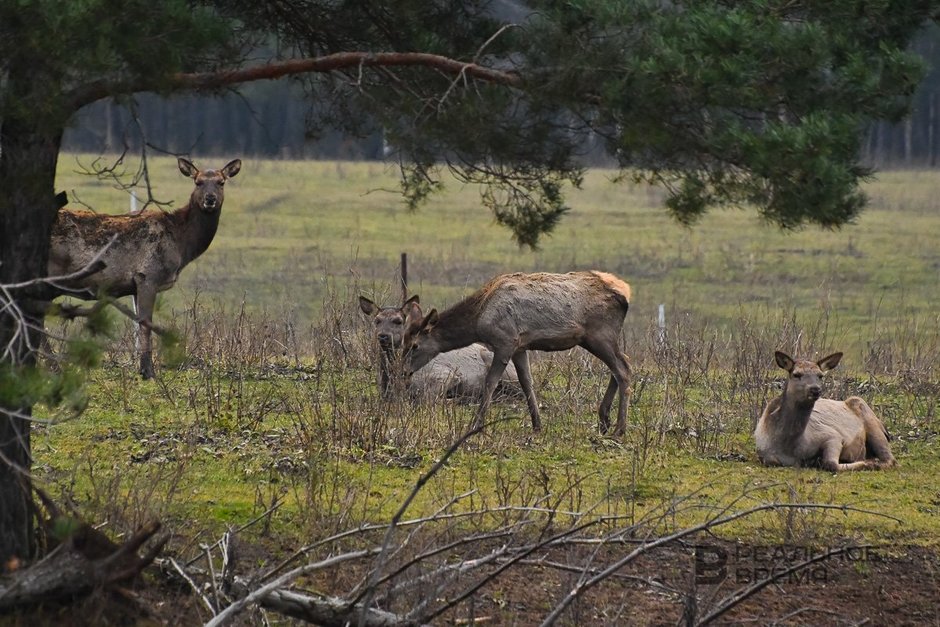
{"x":545,"y":305}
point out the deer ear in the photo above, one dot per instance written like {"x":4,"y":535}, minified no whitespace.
{"x":431,"y":320}
{"x":232,"y":168}
{"x":412,"y":311}
{"x":413,"y":299}
{"x":366,"y":305}
{"x":187,"y":168}
{"x":829,"y":362}
{"x":784,"y":361}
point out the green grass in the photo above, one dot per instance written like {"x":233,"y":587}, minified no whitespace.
{"x":278,"y":403}
{"x":292,"y":232}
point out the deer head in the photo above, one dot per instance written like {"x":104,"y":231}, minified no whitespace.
{"x":420,"y":345}
{"x":804,"y":385}
{"x":389,"y":322}
{"x":210,"y":185}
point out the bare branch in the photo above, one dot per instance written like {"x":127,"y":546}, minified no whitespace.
{"x":192,"y":584}
{"x":366,"y":528}
{"x":44,"y":289}
{"x":526,"y":552}
{"x":92,"y":267}
{"x":323,"y":610}
{"x":248,"y":524}
{"x":493,"y":37}
{"x":581,"y":587}
{"x":263,"y":591}
{"x":70,"y":312}
{"x":739,"y":596}
{"x":423,"y":479}
{"x":329,"y":63}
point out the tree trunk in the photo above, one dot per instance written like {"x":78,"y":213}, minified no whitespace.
{"x":28,"y":208}
{"x":931,"y":131}
{"x":908,"y":140}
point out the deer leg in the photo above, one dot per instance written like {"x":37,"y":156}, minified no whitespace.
{"x":492,"y":380}
{"x":876,"y":436}
{"x":829,"y":456}
{"x":144,"y":301}
{"x":626,"y":389}
{"x":603,"y":412}
{"x":620,"y":381}
{"x":521,"y":361}
{"x":829,"y":459}
{"x":865,"y":464}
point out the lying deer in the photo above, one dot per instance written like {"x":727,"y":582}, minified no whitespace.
{"x":516,"y":313}
{"x":456,"y":374}
{"x":801,"y":429}
{"x":148,"y":253}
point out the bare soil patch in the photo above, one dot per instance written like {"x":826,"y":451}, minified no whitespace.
{"x":878,"y":586}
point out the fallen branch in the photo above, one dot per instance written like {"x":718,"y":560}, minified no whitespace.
{"x":258,"y":595}
{"x":328,"y":611}
{"x":87,"y":560}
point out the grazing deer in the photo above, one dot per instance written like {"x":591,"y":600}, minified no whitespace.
{"x":456,"y":374}
{"x":515,"y":313}
{"x":148,"y":253}
{"x":801,"y":429}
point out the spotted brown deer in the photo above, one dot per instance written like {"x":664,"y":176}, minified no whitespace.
{"x":458,"y":374}
{"x":799,"y":428}
{"x":515,"y":313}
{"x":148,"y":250}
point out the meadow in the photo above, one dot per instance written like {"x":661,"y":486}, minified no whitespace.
{"x":272,"y":420}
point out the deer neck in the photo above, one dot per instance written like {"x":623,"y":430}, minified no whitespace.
{"x":792,"y":417}
{"x":457,"y":326}
{"x":197,"y":229}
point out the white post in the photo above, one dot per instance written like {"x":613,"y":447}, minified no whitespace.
{"x":662,"y":324}
{"x":133,"y":210}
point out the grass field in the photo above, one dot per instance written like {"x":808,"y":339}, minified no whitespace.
{"x":296,"y":234}
{"x":276,"y":408}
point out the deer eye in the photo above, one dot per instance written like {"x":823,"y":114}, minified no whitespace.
{"x":397,"y":322}
{"x":199,"y":183}
{"x":222,"y":183}
{"x":797,"y":375}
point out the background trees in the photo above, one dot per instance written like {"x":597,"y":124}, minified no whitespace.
{"x":750,"y":102}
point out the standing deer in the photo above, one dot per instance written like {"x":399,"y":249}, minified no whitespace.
{"x":456,"y":374}
{"x":801,"y":429}
{"x":148,"y":252}
{"x":515,"y":313}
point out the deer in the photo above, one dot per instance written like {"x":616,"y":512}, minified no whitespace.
{"x":515,"y":313}
{"x":458,"y":374}
{"x":799,"y":428}
{"x":147,"y":251}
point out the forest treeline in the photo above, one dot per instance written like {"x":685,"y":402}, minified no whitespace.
{"x":276,"y":120}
